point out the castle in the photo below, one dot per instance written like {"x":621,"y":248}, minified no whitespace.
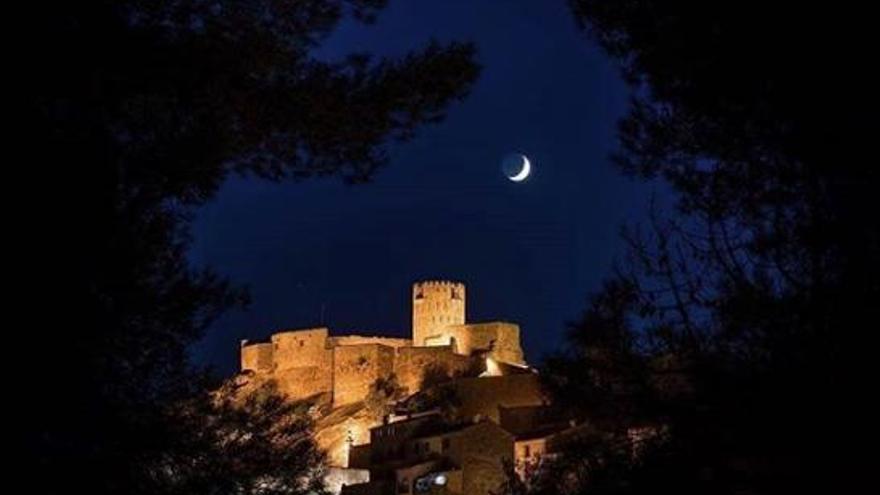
{"x":308,"y":362}
{"x":500,"y":412}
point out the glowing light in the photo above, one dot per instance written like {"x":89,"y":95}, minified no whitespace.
{"x":492,"y":368}
{"x":440,"y":480}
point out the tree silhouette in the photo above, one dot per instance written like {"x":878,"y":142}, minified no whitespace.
{"x":734,"y":320}
{"x":384,"y":393}
{"x":231,"y":442}
{"x":136,"y":113}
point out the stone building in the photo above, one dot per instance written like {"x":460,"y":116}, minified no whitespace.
{"x":309,"y":362}
{"x":428,"y":454}
{"x":480,"y":365}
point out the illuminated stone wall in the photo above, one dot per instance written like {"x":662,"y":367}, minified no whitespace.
{"x":412,"y":362}
{"x":256,"y":356}
{"x":301,"y":348}
{"x":435,"y":306}
{"x":301,"y":362}
{"x":356,"y":368}
{"x":307,"y":362}
{"x":501,"y":337}
{"x":303,"y":382}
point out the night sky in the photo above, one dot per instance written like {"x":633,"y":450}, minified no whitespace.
{"x":529,"y":252}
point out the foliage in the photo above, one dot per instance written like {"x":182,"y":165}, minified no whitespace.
{"x":234,"y":442}
{"x":137,"y":112}
{"x":435,"y":374}
{"x":384,"y":393}
{"x":436,"y":391}
{"x":732,"y":322}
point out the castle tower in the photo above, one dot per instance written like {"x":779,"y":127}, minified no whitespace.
{"x":436,"y":305}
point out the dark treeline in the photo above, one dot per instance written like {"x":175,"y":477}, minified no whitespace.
{"x":734,"y":333}
{"x":136,"y":112}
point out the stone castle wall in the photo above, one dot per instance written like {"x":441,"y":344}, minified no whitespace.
{"x":257,"y":356}
{"x":301,"y":348}
{"x":501,"y":337}
{"x":299,"y":361}
{"x":309,"y":361}
{"x":356,"y":368}
{"x":303,"y":382}
{"x":412,"y":363}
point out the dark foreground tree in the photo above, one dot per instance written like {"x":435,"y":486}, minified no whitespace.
{"x":736,"y":323}
{"x":137,"y":111}
{"x":232,"y":442}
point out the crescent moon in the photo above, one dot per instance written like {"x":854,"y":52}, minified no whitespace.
{"x":526,"y":169}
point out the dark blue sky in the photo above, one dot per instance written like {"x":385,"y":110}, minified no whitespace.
{"x":529,"y":252}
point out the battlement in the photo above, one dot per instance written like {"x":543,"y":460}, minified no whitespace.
{"x":438,"y":284}
{"x":438,"y":290}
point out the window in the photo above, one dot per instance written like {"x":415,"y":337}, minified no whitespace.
{"x":444,"y":445}
{"x":528,"y":451}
